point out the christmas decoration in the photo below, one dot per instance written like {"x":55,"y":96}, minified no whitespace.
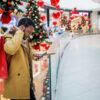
{"x":76,"y":22}
{"x":39,"y":33}
{"x":80,"y":23}
{"x":90,"y":25}
{"x":56,"y":14}
{"x":42,"y":17}
{"x":61,"y":11}
{"x":65,"y":23}
{"x":5,"y":18}
{"x":36,"y":46}
{"x":54,"y":2}
{"x":46,"y":87}
{"x":40,"y":3}
{"x":54,"y":23}
{"x":45,"y":46}
{"x":74,"y":11}
{"x":1,"y":10}
{"x":58,"y":7}
{"x":6,"y":9}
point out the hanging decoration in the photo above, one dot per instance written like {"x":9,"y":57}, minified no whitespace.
{"x":1,"y":10}
{"x":57,"y":7}
{"x":42,"y":18}
{"x":40,"y":3}
{"x":90,"y":25}
{"x":74,"y":11}
{"x":6,"y":18}
{"x":76,"y":22}
{"x":7,"y":7}
{"x":61,"y":11}
{"x":56,"y":14}
{"x":36,"y":46}
{"x":54,"y":23}
{"x":54,"y":2}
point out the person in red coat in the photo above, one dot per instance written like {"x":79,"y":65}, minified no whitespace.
{"x":3,"y":65}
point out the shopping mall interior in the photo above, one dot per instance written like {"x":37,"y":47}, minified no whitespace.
{"x":65,"y":47}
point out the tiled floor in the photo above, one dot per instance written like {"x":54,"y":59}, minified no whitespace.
{"x":79,"y":73}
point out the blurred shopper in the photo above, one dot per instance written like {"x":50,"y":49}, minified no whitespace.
{"x":19,"y":84}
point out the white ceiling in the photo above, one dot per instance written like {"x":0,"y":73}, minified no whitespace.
{"x":98,"y":1}
{"x":79,"y":4}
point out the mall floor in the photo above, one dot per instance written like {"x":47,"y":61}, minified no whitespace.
{"x":79,"y":72}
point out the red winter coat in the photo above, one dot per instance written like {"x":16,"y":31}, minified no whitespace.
{"x":3,"y":62}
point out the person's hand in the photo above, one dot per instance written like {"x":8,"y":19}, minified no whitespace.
{"x":13,"y":29}
{"x":22,"y":28}
{"x":1,"y":86}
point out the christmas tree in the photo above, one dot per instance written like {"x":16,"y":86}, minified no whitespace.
{"x":7,"y":7}
{"x":39,"y":33}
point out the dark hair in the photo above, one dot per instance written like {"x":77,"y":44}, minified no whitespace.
{"x":26,"y":22}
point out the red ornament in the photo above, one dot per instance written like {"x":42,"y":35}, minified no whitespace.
{"x":37,"y":34}
{"x":88,"y":19}
{"x":74,"y":12}
{"x":85,"y":15}
{"x":10,"y":11}
{"x":46,"y":36}
{"x":28,"y":4}
{"x":36,"y":46}
{"x":54,"y":23}
{"x":30,"y":12}
{"x":5,"y":18}
{"x":27,"y":13}
{"x":41,"y":33}
{"x":69,"y":20}
{"x":43,"y":45}
{"x":75,"y":9}
{"x":83,"y":25}
{"x":54,"y":2}
{"x":47,"y":47}
{"x":40,"y":3}
{"x":1,"y":10}
{"x":71,"y":12}
{"x":56,"y":15}
{"x":42,"y":17}
{"x":31,"y":0}
{"x":65,"y":17}
{"x":72,"y":17}
{"x":58,"y":7}
{"x":21,"y":3}
{"x":61,"y":11}
{"x":9,"y":3}
{"x":90,"y":25}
